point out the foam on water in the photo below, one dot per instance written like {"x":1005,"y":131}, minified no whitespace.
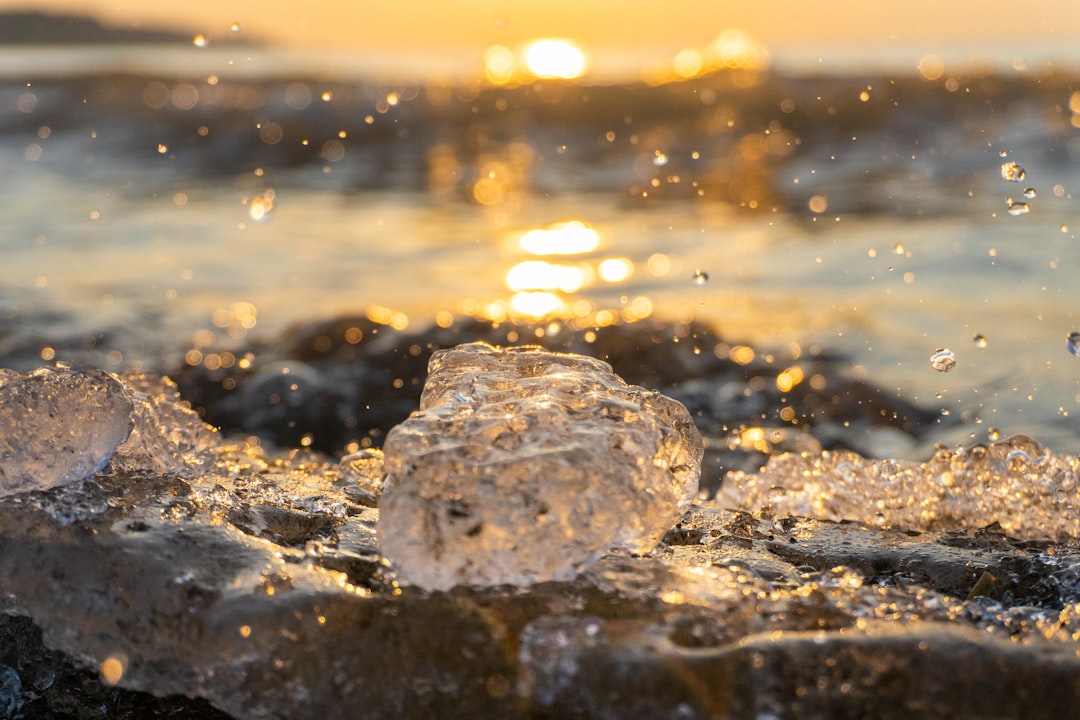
{"x":1031,"y":492}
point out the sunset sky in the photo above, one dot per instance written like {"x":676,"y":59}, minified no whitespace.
{"x":994,"y":28}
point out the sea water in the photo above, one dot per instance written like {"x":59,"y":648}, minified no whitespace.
{"x":869,"y":216}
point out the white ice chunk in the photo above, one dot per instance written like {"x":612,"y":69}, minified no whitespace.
{"x":168,"y":438}
{"x":59,"y":426}
{"x":523,"y":466}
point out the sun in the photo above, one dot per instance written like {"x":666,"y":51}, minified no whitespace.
{"x":555,"y":58}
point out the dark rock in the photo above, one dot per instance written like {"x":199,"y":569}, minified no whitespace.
{"x":356,"y":378}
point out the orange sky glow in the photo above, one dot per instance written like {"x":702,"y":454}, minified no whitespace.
{"x":430,"y":27}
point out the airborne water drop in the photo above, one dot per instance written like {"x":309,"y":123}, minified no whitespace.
{"x":943,"y":360}
{"x":1018,"y":208}
{"x":1072,"y":342}
{"x":701,"y":277}
{"x":1012,"y":172}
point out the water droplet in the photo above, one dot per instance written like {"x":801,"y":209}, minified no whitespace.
{"x":1018,"y":208}
{"x":659,"y":159}
{"x":1002,"y":153}
{"x":200,"y":41}
{"x":1012,"y":172}
{"x":162,"y":148}
{"x":993,"y":434}
{"x":1072,"y":342}
{"x":899,"y":248}
{"x":235,"y":27}
{"x":701,"y":277}
{"x":943,"y":360}
{"x":1030,"y":193}
{"x":979,"y":340}
{"x":260,"y":206}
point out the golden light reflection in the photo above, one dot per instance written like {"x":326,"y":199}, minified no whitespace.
{"x":615,"y":270}
{"x":542,"y":275}
{"x":544,"y":287}
{"x":113,"y":667}
{"x":689,"y":63}
{"x":931,"y":67}
{"x":260,"y":206}
{"x":736,"y":49}
{"x":499,"y":64}
{"x":386,"y":316}
{"x":554,"y":58}
{"x":572,"y":237}
{"x":733,"y":49}
{"x":537,"y":304}
{"x":789,"y":378}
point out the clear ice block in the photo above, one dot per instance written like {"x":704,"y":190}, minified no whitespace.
{"x":523,"y":466}
{"x":59,"y":426}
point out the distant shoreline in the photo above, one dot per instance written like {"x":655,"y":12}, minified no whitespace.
{"x":32,"y":28}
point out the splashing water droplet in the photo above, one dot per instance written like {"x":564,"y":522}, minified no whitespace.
{"x":701,"y":277}
{"x":979,"y":340}
{"x":1072,"y":342}
{"x":1012,"y":172}
{"x":1003,"y":154}
{"x":993,"y":434}
{"x":235,"y":27}
{"x":899,"y":248}
{"x":659,"y":159}
{"x":200,"y":41}
{"x":943,"y":360}
{"x":1030,"y":193}
{"x":260,"y":206}
{"x":1018,"y":208}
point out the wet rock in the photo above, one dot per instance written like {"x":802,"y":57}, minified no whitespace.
{"x":523,"y":466}
{"x":51,"y":686}
{"x":251,"y":582}
{"x":370,"y":376}
{"x":258,"y":587}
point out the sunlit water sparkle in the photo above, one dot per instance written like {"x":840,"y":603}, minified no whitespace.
{"x":924,"y":256}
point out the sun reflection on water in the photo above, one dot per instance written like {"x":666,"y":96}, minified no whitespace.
{"x":545,"y":58}
{"x":547,"y":285}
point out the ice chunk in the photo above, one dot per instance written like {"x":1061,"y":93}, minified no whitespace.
{"x":59,"y":426}
{"x":1017,"y":483}
{"x":524,"y":465}
{"x":168,"y":438}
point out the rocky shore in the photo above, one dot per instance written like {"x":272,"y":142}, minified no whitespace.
{"x":253,"y":586}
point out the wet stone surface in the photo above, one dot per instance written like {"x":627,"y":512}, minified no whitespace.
{"x":202,"y":575}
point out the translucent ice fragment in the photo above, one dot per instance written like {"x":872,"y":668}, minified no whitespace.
{"x":1031,"y":492}
{"x":167,"y":438}
{"x":59,"y":426}
{"x":524,"y":465}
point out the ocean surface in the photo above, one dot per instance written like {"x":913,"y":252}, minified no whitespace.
{"x":147,"y":209}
